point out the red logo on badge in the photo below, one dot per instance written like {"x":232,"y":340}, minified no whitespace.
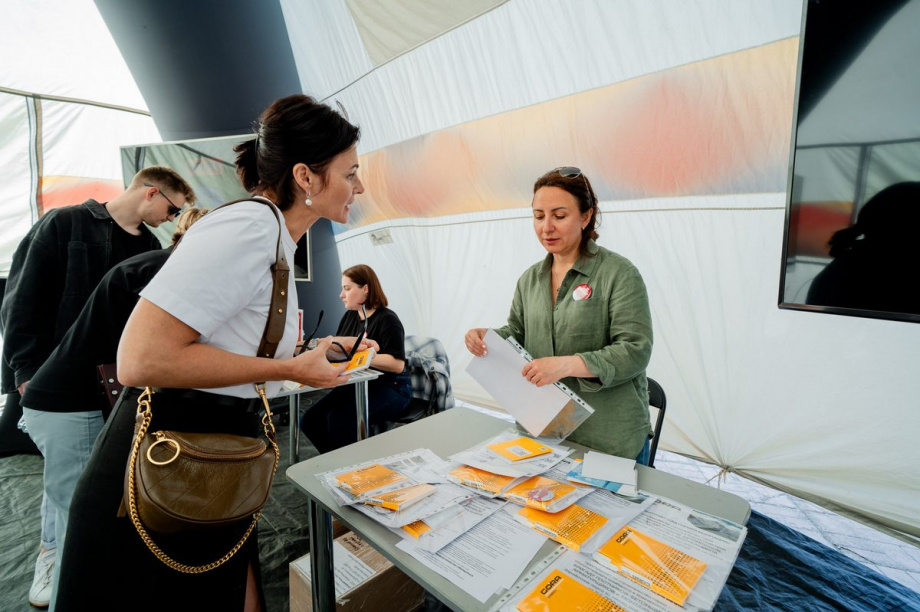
{"x":582,"y":292}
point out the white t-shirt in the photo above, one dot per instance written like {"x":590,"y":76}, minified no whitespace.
{"x":218,"y":282}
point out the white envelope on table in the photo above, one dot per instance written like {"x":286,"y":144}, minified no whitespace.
{"x":551,"y":411}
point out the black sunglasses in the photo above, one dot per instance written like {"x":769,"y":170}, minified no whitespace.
{"x":349,"y":354}
{"x":573,"y":172}
{"x":173,"y":210}
{"x":310,"y":344}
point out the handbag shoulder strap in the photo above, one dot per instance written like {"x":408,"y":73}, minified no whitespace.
{"x":274,"y":326}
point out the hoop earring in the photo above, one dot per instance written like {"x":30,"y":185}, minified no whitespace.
{"x":308,"y":201}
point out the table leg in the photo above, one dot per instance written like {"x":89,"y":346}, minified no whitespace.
{"x":361,"y":404}
{"x":321,"y":565}
{"x":294,"y":427}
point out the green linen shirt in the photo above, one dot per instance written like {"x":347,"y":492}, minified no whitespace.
{"x":611,"y":330}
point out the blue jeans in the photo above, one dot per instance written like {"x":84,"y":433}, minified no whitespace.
{"x":66,"y":440}
{"x":332,"y":423}
{"x":643,"y":455}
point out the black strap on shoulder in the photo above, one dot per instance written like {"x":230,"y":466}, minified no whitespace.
{"x":274,"y":326}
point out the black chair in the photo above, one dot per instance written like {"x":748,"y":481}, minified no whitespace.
{"x":657,"y":402}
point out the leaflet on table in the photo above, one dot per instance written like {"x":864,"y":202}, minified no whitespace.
{"x":401,"y":499}
{"x":518,"y":449}
{"x":552,"y":411}
{"x":482,"y":482}
{"x":436,"y":531}
{"x":574,"y":527}
{"x":574,"y":578}
{"x":651,"y":563}
{"x":620,"y":488}
{"x":482,"y":458}
{"x":547,"y":494}
{"x":444,"y":496}
{"x":711,"y":539}
{"x":617,"y":510}
{"x":487,"y":558}
{"x":353,"y":484}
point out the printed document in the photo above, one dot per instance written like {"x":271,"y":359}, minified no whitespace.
{"x":489,"y":557}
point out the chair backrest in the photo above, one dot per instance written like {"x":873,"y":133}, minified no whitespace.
{"x":657,"y":403}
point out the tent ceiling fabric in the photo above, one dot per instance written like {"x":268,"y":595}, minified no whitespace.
{"x":389,"y":28}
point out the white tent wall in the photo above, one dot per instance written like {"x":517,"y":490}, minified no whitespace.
{"x":67,"y":103}
{"x":818,"y":405}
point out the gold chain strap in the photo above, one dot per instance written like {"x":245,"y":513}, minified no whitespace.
{"x":143,"y":408}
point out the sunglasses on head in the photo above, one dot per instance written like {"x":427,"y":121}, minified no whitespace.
{"x":573,"y":172}
{"x":173,"y":210}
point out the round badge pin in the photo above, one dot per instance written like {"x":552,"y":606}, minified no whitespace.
{"x":581,"y":292}
{"x":541,"y":494}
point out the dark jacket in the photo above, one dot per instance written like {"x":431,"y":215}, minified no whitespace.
{"x":55,"y":268}
{"x":67,"y":381}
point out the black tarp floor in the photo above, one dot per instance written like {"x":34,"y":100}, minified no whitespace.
{"x":282,"y":530}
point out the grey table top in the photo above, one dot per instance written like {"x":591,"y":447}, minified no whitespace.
{"x":445,"y":434}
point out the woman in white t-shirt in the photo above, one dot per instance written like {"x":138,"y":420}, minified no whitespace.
{"x":194,"y":336}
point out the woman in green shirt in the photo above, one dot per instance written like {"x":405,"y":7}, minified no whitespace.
{"x":583,"y":314}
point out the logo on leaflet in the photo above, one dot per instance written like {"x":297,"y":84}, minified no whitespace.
{"x":549,"y":585}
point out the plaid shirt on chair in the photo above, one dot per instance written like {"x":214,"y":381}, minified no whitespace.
{"x":427,"y":359}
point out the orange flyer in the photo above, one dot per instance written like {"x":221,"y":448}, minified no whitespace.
{"x":359,"y":361}
{"x":652,"y":563}
{"x":368,"y":478}
{"x":573,"y":526}
{"x":539,"y":492}
{"x":417,"y":529}
{"x":401,"y":498}
{"x":480,"y":479}
{"x":562,"y":593}
{"x":519,"y":448}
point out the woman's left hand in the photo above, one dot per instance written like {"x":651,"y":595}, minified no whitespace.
{"x":548,"y":370}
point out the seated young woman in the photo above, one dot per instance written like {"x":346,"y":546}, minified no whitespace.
{"x":332,"y":422}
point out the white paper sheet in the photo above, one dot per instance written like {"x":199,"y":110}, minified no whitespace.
{"x":452,"y":522}
{"x":349,"y":571}
{"x":490,"y":556}
{"x":499,"y":373}
{"x":607,"y":467}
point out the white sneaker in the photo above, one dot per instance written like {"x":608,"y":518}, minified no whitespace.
{"x":40,"y":593}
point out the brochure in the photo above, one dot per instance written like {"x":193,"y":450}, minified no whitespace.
{"x":481,"y":457}
{"x":546,"y":494}
{"x":401,"y":498}
{"x":359,"y":361}
{"x":519,"y":448}
{"x":482,"y":481}
{"x":573,"y":526}
{"x":616,"y":487}
{"x":559,"y":592}
{"x":651,"y":563}
{"x":368,"y":479}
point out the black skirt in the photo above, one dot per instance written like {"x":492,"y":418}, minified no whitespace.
{"x":106,"y":565}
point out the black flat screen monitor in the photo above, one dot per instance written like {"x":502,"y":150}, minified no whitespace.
{"x":850,"y":245}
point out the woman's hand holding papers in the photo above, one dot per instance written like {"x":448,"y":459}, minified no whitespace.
{"x":549,"y":370}
{"x":474,"y":342}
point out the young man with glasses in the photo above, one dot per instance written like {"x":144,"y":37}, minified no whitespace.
{"x":54,"y":270}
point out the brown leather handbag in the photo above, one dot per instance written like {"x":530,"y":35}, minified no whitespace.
{"x":179,"y":482}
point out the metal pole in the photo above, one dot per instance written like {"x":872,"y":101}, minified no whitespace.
{"x":322,"y":577}
{"x":363,"y":410}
